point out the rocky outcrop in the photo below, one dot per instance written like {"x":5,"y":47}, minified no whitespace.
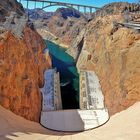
{"x":51,"y":37}
{"x":22,"y":64}
{"x":129,"y":12}
{"x":38,"y":13}
{"x":75,"y":49}
{"x":117,"y":8}
{"x":113,"y":51}
{"x":8,"y":6}
{"x":21,"y":73}
{"x":65,"y":24}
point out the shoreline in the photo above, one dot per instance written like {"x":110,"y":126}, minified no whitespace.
{"x":61,"y":45}
{"x":46,"y":35}
{"x":68,"y":72}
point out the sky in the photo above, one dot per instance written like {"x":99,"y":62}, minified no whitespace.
{"x":97,"y":3}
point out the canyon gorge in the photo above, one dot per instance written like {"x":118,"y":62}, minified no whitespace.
{"x":74,"y":43}
{"x":104,"y":46}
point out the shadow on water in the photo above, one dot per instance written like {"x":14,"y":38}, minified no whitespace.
{"x":69,"y":100}
{"x":69,"y":93}
{"x":68,"y":73}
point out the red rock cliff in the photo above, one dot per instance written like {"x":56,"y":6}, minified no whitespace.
{"x":22,"y":64}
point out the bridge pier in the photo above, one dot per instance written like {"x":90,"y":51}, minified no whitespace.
{"x":78,"y":8}
{"x":35,"y":4}
{"x":27,"y":11}
{"x":42,"y":4}
{"x":27,"y":4}
{"x":84,"y":9}
{"x":90,"y":10}
{"x":72,"y":5}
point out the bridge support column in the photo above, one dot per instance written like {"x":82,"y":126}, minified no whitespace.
{"x":27,"y":5}
{"x":27,"y":11}
{"x":90,"y":10}
{"x":42,"y":4}
{"x":78,"y":8}
{"x":35,"y":5}
{"x":84,"y":9}
{"x":72,"y":5}
{"x":50,"y":4}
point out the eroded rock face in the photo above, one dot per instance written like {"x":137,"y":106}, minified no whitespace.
{"x":63,"y":26}
{"x":112,"y":51}
{"x":117,"y":8}
{"x":22,"y":64}
{"x":8,"y":6}
{"x":75,"y":48}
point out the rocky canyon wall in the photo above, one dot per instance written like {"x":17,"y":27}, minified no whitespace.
{"x":22,"y":64}
{"x":62,"y":27}
{"x":113,"y":51}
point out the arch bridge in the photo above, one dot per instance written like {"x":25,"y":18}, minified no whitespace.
{"x":46,"y":4}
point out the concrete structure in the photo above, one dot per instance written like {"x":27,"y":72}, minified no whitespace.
{"x":51,"y":91}
{"x":91,"y":114}
{"x":74,"y":120}
{"x":91,"y":96}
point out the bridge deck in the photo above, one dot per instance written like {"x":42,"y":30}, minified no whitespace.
{"x":63,"y":4}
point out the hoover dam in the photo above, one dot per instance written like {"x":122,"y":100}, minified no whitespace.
{"x":54,"y":115}
{"x":69,"y":70}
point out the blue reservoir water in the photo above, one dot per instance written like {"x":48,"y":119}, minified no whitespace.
{"x":69,"y":76}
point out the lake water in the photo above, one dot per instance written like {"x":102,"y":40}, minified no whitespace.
{"x":69,"y":76}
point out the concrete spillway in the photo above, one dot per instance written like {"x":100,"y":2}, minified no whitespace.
{"x":92,"y":112}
